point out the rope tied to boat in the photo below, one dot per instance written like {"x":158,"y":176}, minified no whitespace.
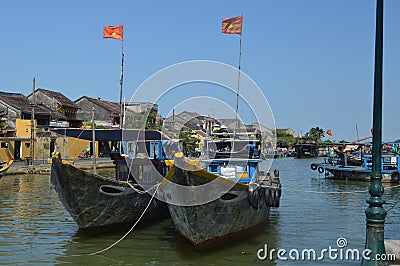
{"x":126,"y":234}
{"x":142,"y":191}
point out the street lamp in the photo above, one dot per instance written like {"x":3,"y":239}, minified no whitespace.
{"x":375,"y":213}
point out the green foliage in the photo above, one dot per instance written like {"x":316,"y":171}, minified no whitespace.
{"x":315,"y":134}
{"x":142,"y":120}
{"x":285,"y":139}
{"x":189,"y":141}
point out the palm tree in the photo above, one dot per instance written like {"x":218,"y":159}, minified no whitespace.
{"x":316,"y":134}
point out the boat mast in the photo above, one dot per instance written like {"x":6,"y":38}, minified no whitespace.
{"x":94,"y":142}
{"x":121,"y":83}
{"x":238,"y":86}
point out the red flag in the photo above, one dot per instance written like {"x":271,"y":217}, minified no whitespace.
{"x":232,"y":25}
{"x":115,"y":32}
{"x":329,"y":132}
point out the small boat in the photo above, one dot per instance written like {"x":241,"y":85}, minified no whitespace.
{"x":335,"y":168}
{"x":215,"y":201}
{"x":100,"y":204}
{"x":4,"y":166}
{"x":306,"y":150}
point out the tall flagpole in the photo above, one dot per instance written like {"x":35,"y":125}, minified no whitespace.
{"x":121,"y":83}
{"x":238,"y":86}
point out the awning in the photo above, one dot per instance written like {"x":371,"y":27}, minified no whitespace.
{"x":111,"y":134}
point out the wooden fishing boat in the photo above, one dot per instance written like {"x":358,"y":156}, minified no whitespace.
{"x":240,"y":198}
{"x":99,"y":204}
{"x":4,"y":166}
{"x":336,"y":169}
{"x":306,"y":150}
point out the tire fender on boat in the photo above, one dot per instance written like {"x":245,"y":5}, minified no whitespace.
{"x":267,"y":196}
{"x":253,"y":198}
{"x":276,"y":198}
{"x":313,"y":166}
{"x":261,"y":197}
{"x":395,"y":177}
{"x":276,"y":173}
{"x":279,"y":190}
{"x":320,"y":170}
{"x":273,"y":198}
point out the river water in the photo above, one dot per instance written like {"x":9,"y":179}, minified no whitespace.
{"x":315,"y":212}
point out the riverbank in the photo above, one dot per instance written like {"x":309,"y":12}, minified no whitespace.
{"x":44,"y":167}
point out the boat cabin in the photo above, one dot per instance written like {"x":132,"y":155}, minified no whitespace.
{"x":234,"y":159}
{"x":237,"y":170}
{"x":143,"y":159}
{"x":233,"y":148}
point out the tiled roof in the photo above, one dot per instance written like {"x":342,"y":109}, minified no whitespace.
{"x":59,"y":97}
{"x":110,"y":106}
{"x":21,"y":102}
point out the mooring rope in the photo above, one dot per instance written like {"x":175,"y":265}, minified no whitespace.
{"x":141,"y":191}
{"x":126,"y":234}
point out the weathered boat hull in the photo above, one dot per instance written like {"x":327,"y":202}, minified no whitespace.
{"x":226,"y":217}
{"x":357,"y":174}
{"x":99,"y":204}
{"x":218,"y":222}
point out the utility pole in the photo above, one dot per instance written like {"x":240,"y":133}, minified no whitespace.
{"x":32,"y":140}
{"x":93,"y":142}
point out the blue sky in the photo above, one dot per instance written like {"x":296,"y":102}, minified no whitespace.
{"x":312,"y":59}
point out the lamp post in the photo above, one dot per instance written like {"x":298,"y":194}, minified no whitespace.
{"x":375,"y":213}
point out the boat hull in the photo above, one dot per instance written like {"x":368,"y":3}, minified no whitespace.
{"x":356,"y":173}
{"x":218,"y":222}
{"x":4,"y":166}
{"x":99,"y":204}
{"x":226,"y":217}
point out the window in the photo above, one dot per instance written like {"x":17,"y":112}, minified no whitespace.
{"x":4,"y":145}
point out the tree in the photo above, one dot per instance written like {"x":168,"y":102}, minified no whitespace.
{"x":316,"y":134}
{"x":285,"y":139}
{"x":189,"y":142}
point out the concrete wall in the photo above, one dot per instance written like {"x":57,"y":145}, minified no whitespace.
{"x":70,"y":148}
{"x":6,"y":150}
{"x":85,"y":113}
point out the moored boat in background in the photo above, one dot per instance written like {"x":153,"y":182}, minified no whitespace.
{"x":306,"y":150}
{"x":334,"y":168}
{"x":4,"y":166}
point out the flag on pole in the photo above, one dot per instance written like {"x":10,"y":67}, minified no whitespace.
{"x":329,"y":132}
{"x":232,"y":25}
{"x":115,"y":32}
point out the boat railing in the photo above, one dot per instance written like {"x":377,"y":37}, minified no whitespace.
{"x":389,"y":163}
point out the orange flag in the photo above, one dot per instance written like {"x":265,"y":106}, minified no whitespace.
{"x":115,"y":32}
{"x":329,"y":132}
{"x":232,"y":25}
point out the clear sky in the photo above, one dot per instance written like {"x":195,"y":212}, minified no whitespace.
{"x":312,"y":59}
